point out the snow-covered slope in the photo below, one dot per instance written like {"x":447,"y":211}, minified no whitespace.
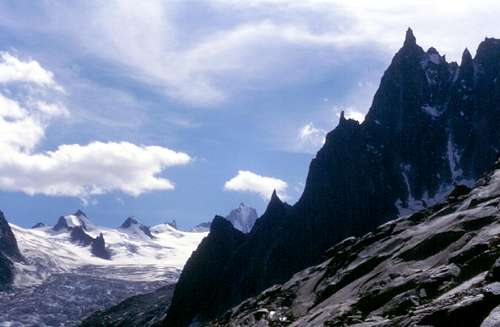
{"x":63,"y":281}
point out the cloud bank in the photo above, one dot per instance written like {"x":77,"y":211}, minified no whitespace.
{"x":71,"y":169}
{"x":247,"y":44}
{"x":247,"y":181}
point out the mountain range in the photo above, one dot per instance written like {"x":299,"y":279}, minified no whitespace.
{"x":432,"y":125}
{"x":67,"y":271}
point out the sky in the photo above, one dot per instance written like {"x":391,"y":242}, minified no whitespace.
{"x":183,"y":109}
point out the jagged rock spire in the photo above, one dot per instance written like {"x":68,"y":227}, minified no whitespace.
{"x":129,"y":222}
{"x":432,"y":50}
{"x":410,"y":39}
{"x":342,"y":118}
{"x":275,"y":198}
{"x":466,"y":57}
{"x":98,"y":248}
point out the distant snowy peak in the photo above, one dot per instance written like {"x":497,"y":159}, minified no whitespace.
{"x":201,"y":228}
{"x":78,"y":219}
{"x":132,"y":226}
{"x":243,"y":218}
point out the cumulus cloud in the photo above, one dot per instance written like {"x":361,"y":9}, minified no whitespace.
{"x":14,"y":70}
{"x":92,"y":169}
{"x":71,"y":169}
{"x":247,"y":181}
{"x":311,"y":138}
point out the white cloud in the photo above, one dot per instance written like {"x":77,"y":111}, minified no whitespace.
{"x":252,"y":44}
{"x":92,"y":169}
{"x":247,"y":181}
{"x":71,"y":169}
{"x":52,"y":109}
{"x":14,"y":70}
{"x":351,"y":113}
{"x":310,"y":138}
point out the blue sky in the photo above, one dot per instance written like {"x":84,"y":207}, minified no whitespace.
{"x":183,"y":109}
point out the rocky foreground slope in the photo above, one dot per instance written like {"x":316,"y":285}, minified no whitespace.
{"x":437,"y":267}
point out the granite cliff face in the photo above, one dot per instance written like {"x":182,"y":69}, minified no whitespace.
{"x":437,"y":267}
{"x":432,"y":124}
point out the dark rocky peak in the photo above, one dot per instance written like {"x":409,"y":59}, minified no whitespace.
{"x":488,"y":52}
{"x":172,"y":223}
{"x":410,"y":40}
{"x":434,"y":58}
{"x":345,"y":123}
{"x":466,"y":58}
{"x":410,"y":49}
{"x":61,"y":224}
{"x":8,"y":242}
{"x":203,"y":272}
{"x":129,"y":222}
{"x":78,"y":236}
{"x":275,"y":206}
{"x":342,"y":119}
{"x":221,"y":226}
{"x":407,"y":84}
{"x":466,"y":70}
{"x":38,"y":225}
{"x":432,"y":51}
{"x":98,"y":248}
{"x":487,"y":61}
{"x":70,"y":221}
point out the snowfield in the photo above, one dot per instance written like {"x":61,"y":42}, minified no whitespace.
{"x":64,"y":282}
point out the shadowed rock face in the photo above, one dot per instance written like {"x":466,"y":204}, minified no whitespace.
{"x":432,"y":124}
{"x":98,"y":248}
{"x":68,"y":222}
{"x":204,"y":270}
{"x":8,"y":243}
{"x":79,"y":236}
{"x":437,"y":267}
{"x":9,"y":253}
{"x":131,"y":222}
{"x":39,"y":225}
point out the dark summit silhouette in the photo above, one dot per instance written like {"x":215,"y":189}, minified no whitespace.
{"x":98,"y":248}
{"x":131,"y":222}
{"x":432,"y":124}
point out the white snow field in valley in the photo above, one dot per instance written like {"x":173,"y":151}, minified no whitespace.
{"x":63,"y":281}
